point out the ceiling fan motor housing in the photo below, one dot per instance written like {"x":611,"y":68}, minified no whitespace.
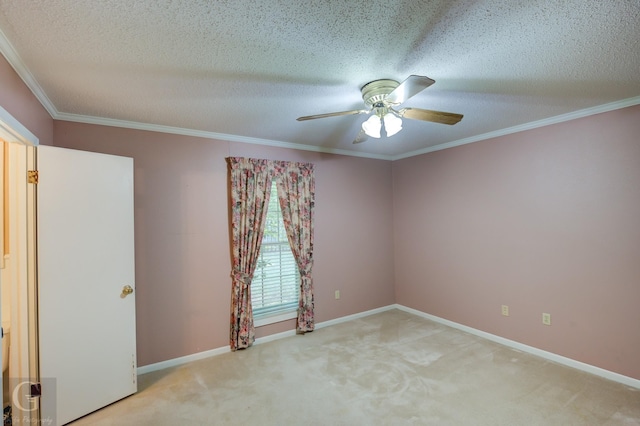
{"x":375,"y":92}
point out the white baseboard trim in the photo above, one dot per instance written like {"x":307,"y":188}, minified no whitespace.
{"x":223,"y":350}
{"x":610,"y":375}
{"x":354,"y":316}
{"x":616,"y":377}
{"x":181,"y":360}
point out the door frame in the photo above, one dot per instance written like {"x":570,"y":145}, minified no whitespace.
{"x":24,"y":337}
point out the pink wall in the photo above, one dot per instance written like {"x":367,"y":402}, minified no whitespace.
{"x":182,"y":234}
{"x":21,"y":103}
{"x":546,"y":220}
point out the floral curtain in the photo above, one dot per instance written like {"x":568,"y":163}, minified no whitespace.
{"x":296,"y":194}
{"x":250,"y":187}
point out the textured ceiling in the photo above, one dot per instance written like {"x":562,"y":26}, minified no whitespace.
{"x":244,"y":70}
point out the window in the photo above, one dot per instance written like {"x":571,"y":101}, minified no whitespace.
{"x":275,"y":287}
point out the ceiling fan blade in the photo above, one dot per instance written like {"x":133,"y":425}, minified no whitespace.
{"x":413,"y":85}
{"x":332,"y":114}
{"x":362,"y":136}
{"x":428,"y":115}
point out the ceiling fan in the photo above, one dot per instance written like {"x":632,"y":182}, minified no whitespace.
{"x":381,"y":97}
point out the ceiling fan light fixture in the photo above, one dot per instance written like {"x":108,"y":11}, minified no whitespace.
{"x":381,"y":97}
{"x":392,"y":124}
{"x":372,"y":126}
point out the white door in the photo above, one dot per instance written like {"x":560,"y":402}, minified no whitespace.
{"x":85,"y":258}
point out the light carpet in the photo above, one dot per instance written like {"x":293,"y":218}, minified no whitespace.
{"x":391,"y":368}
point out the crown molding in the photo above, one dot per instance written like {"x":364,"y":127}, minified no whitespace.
{"x":527,"y":126}
{"x":210,"y":135}
{"x":11,"y":55}
{"x":268,"y":142}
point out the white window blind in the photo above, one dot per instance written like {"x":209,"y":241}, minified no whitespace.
{"x":276,"y":283}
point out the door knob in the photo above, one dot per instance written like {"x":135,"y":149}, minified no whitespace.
{"x":126,"y":290}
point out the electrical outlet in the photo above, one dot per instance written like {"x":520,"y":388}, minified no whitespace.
{"x":505,"y":310}
{"x":546,"y":319}
{"x":337,"y":294}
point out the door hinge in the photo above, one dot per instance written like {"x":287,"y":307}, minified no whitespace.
{"x":32,"y":176}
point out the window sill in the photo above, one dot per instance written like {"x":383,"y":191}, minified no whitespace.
{"x":273,"y":318}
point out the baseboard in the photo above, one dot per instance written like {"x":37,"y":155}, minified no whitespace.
{"x":181,"y":360}
{"x":610,"y":375}
{"x":616,"y":377}
{"x":355,"y":316}
{"x":219,"y":351}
